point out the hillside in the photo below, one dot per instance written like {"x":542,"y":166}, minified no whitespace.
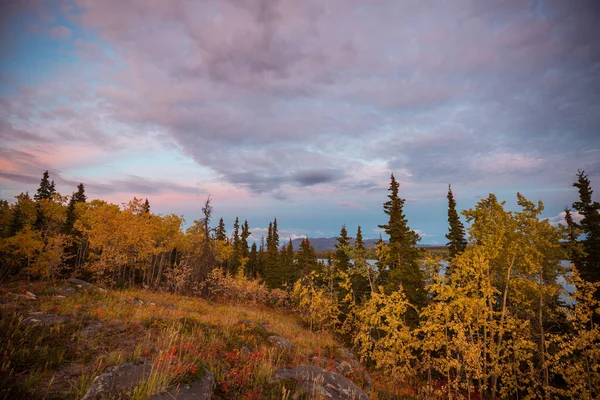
{"x":58,"y":337}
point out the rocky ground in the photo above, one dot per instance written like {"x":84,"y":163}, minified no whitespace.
{"x":76,"y":340}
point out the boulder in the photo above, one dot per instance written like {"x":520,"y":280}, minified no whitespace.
{"x":81,"y":284}
{"x":26,"y":296}
{"x":117,"y":379}
{"x":42,"y":319}
{"x":199,"y":390}
{"x":92,"y":328}
{"x":280,"y":342}
{"x":320,"y":383}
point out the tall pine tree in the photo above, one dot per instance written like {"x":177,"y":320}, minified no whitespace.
{"x":342,"y":260}
{"x":456,"y":230}
{"x":589,"y":263}
{"x":46,"y":189}
{"x":221,"y":232}
{"x":403,"y":256}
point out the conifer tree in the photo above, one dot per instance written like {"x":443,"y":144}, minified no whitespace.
{"x":306,"y":257}
{"x":237,"y":245}
{"x":342,"y":260}
{"x":70,"y":219}
{"x":80,"y":196}
{"x":146,"y":207}
{"x":403,"y":255}
{"x":456,"y":230}
{"x":273,"y":271}
{"x":221,"y":232}
{"x":359,"y":245}
{"x":589,"y":264}
{"x":244,"y":238}
{"x":46,"y":189}
{"x":363,"y":273}
{"x":252,"y":269}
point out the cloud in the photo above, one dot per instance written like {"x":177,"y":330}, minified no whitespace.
{"x":305,"y":102}
{"x":560,"y":218}
{"x":423,"y":234}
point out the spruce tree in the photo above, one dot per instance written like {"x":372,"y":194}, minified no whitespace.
{"x":403,"y":258}
{"x":273,"y":271}
{"x":237,"y":245}
{"x":80,"y":196}
{"x":359,"y":245}
{"x":306,"y":257}
{"x":342,"y":260}
{"x":244,"y":238}
{"x":589,"y":263}
{"x":456,"y":230}
{"x":221,"y":232}
{"x":46,"y":189}
{"x":146,"y":207}
{"x":70,"y":219}
{"x":252,"y":270}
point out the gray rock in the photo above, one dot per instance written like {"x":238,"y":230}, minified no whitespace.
{"x":199,"y":390}
{"x":92,"y":328}
{"x":117,"y":379}
{"x":280,"y":342}
{"x":16,"y":296}
{"x":86,"y":285}
{"x":138,"y":302}
{"x":320,"y":383}
{"x":43,"y":319}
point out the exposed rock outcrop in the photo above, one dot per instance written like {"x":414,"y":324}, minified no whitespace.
{"x":320,"y":383}
{"x":281,"y":342}
{"x":81,"y":284}
{"x":200,"y":390}
{"x":117,"y":379}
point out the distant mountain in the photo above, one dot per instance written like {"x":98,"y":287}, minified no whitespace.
{"x":321,"y":244}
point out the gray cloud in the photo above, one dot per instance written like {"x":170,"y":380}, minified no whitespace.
{"x":274,"y":93}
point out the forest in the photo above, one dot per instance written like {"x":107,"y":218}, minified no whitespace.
{"x":487,"y":320}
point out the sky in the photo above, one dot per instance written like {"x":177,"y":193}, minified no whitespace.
{"x":301,"y":110}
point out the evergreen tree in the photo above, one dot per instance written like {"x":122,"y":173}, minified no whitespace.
{"x":70,"y":219}
{"x":146,"y":207}
{"x":403,"y":255}
{"x":252,"y":270}
{"x":237,"y":245}
{"x":306,"y":258}
{"x":359,"y":245}
{"x":273,"y":272}
{"x":80,"y":196}
{"x":46,"y":189}
{"x":244,"y":238}
{"x":589,"y":263}
{"x":221,"y":232}
{"x":363,"y":273}
{"x":456,"y":232}
{"x":342,"y":260}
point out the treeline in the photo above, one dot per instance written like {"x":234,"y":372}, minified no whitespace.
{"x":489,"y":321}
{"x":51,"y":236}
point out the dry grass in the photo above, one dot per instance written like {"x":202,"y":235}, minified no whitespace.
{"x":179,"y":335}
